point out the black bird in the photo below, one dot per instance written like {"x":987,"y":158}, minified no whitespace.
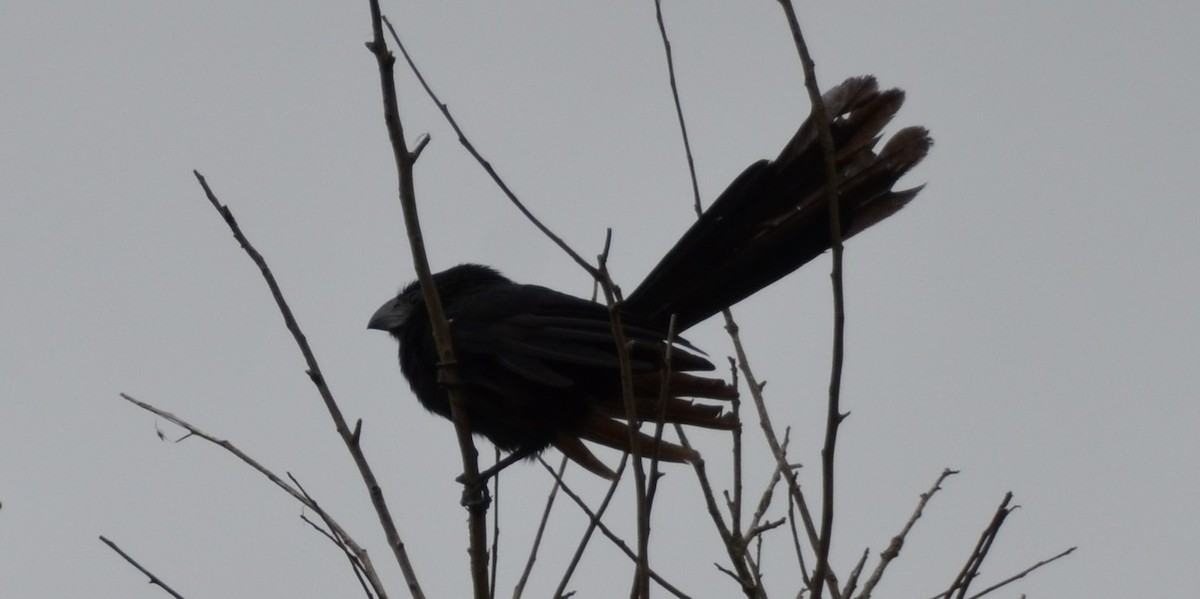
{"x":540,"y":367}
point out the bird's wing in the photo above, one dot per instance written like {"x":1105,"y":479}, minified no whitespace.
{"x":557,"y":340}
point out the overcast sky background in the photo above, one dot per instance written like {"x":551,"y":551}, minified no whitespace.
{"x":1030,"y":320}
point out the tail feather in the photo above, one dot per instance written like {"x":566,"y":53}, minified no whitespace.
{"x":683,"y":384}
{"x":610,"y":433}
{"x":773,"y":218}
{"x":574,"y":449}
{"x":674,"y":411}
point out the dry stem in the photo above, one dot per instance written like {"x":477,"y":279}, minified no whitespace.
{"x":473,"y":491}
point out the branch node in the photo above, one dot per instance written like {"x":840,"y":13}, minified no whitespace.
{"x":421,"y":143}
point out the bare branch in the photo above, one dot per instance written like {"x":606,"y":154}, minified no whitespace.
{"x":796,"y":495}
{"x":537,"y":538}
{"x":756,"y":532}
{"x":852,"y":580}
{"x":664,"y":391}
{"x":893,"y":549}
{"x":735,"y":406}
{"x":687,"y":145}
{"x":473,"y":490}
{"x":834,"y":415}
{"x":764,"y":502}
{"x":796,"y":543}
{"x":971,"y":569}
{"x":355,"y":563}
{"x":495,"y":564}
{"x":335,"y":412}
{"x":735,"y":546}
{"x":298,"y":494}
{"x":593,"y":521}
{"x":1022,"y":573}
{"x":612,"y":297}
{"x":594,"y":524}
{"x":734,"y":543}
{"x":487,"y":167}
{"x":153,"y":579}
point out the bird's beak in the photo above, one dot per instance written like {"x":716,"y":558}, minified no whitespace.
{"x":389,"y":316}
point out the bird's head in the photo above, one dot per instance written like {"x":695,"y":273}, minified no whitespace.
{"x":395,"y":312}
{"x":451,"y":283}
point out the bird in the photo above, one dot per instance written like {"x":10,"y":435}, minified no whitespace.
{"x":539,"y":368}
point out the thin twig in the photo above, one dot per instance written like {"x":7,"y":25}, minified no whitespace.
{"x":362,"y":555}
{"x":756,"y":563}
{"x":487,"y":167}
{"x":537,"y":538}
{"x":893,"y":549}
{"x":613,"y":299}
{"x":595,"y":523}
{"x":1022,"y":573}
{"x":796,"y":542}
{"x":350,"y":438}
{"x":764,"y":420}
{"x":355,"y":564}
{"x":664,"y":392}
{"x":473,"y":490}
{"x":764,"y":501}
{"x":735,"y":546}
{"x":687,"y":145}
{"x":735,"y":405}
{"x":852,"y":580}
{"x":153,"y":579}
{"x":971,"y":569}
{"x":495,"y":564}
{"x":834,"y":415}
{"x":732,"y":539}
{"x":358,"y":574}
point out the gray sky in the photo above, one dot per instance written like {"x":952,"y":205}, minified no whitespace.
{"x":1031,"y":320}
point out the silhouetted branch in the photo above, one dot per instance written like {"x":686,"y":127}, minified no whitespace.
{"x":537,"y":538}
{"x":893,"y":549}
{"x":298,"y":494}
{"x":768,"y":494}
{"x":1022,"y":573}
{"x":734,"y":544}
{"x":687,"y":145}
{"x":495,"y":563}
{"x":473,"y":490}
{"x":594,"y":524}
{"x":613,"y":299}
{"x":834,"y":415}
{"x":350,"y":438}
{"x":731,"y":535}
{"x":153,"y":579}
{"x":355,"y":564}
{"x":971,"y":569}
{"x":852,"y":580}
{"x":487,"y":167}
{"x":796,"y":495}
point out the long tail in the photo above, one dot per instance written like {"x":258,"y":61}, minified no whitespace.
{"x":774,"y":218}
